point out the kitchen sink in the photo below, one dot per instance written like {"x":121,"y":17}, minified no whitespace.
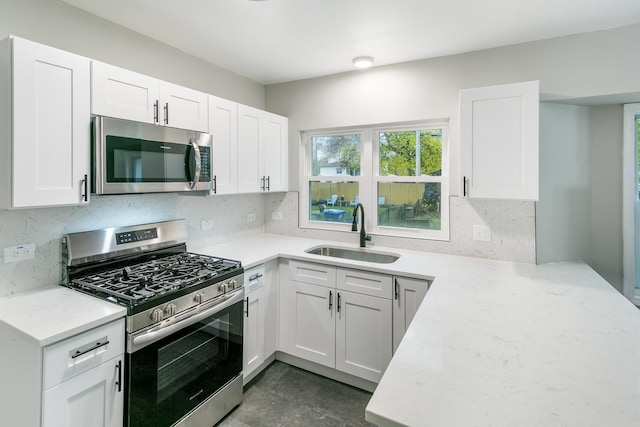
{"x":354,"y":254}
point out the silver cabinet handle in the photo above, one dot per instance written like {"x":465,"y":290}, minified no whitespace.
{"x":119,"y":380}
{"x":166,"y":113}
{"x":156,"y":119}
{"x":89,"y":347}
{"x":196,"y":154}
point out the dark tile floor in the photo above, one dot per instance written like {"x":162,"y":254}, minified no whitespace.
{"x":283,"y":395}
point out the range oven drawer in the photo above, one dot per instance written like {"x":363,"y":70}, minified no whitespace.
{"x":78,"y":354}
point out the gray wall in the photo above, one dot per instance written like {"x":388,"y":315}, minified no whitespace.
{"x":563,"y":213}
{"x":60,"y":25}
{"x":606,"y":130}
{"x":591,"y":69}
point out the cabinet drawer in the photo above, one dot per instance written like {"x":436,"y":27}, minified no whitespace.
{"x":316,"y":274}
{"x":377,"y":285}
{"x":77,"y":354}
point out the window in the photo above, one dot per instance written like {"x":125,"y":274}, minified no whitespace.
{"x":397,"y":173}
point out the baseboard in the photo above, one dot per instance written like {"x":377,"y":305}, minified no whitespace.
{"x":326,"y":371}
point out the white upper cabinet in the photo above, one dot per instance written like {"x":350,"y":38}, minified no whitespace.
{"x":262,"y":151}
{"x":120,"y":93}
{"x":223,"y":125}
{"x":45,"y":125}
{"x":499,"y":141}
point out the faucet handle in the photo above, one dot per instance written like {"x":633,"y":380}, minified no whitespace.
{"x":367,"y":238}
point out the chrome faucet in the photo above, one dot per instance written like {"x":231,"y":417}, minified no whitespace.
{"x":354,"y":226}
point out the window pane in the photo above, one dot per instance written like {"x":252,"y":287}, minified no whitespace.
{"x":335,"y":155}
{"x":409,"y":205}
{"x":411,"y":153}
{"x":332,"y":201}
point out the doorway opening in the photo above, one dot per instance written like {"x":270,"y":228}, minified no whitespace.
{"x":631,"y":203}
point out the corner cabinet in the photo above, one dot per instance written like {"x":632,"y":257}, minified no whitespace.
{"x":336,"y":317}
{"x":123,"y":94}
{"x":407,"y":297}
{"x":45,"y":125}
{"x":499,"y":141}
{"x":262,"y":151}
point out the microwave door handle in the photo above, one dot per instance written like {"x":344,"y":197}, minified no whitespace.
{"x":196,"y":154}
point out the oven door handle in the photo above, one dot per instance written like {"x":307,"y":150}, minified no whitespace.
{"x":144,"y":339}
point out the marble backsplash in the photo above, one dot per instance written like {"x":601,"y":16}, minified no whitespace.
{"x":512,"y":228}
{"x":45,"y":227}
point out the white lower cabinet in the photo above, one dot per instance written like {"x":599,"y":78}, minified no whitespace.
{"x":338,"y":328}
{"x":93,"y":398}
{"x":77,"y":381}
{"x":261,"y":317}
{"x":407,"y":297}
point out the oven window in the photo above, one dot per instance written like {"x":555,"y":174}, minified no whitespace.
{"x":181,"y":362}
{"x":169,"y":378}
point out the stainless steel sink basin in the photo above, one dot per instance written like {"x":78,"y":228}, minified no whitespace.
{"x":355,"y":254}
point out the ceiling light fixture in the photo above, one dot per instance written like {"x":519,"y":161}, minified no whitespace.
{"x":363,"y":62}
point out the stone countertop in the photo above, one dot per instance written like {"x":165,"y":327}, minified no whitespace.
{"x":496,"y":343}
{"x":48,"y":315}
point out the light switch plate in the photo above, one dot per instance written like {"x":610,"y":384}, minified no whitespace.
{"x":276,"y":216}
{"x":207,"y":224}
{"x":482,"y":233}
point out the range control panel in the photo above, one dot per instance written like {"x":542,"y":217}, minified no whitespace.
{"x":136,"y":236}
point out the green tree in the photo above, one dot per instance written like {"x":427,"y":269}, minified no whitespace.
{"x":341,"y":149}
{"x":398,"y":153}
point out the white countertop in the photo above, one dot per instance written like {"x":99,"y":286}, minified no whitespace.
{"x":48,"y":315}
{"x":496,"y":343}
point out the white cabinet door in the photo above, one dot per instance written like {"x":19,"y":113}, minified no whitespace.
{"x":262,"y":151}
{"x":307,"y":326}
{"x":499,"y":141}
{"x":93,"y":398}
{"x":250,"y":170}
{"x":50,"y":126}
{"x":408,"y":295}
{"x":124,"y":94}
{"x":363,"y":335}
{"x":223,"y":125}
{"x":276,"y":152}
{"x":183,"y":108}
{"x":253,"y":341}
{"x":120,"y":93}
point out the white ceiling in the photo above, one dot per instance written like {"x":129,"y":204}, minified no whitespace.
{"x":275,"y":41}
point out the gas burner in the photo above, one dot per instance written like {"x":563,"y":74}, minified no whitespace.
{"x":140,"y":281}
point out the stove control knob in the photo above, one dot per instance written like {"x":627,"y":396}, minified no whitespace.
{"x":223,"y":287}
{"x":170,"y":309}
{"x":197,"y":298}
{"x":156,"y":315}
{"x":232,"y":284}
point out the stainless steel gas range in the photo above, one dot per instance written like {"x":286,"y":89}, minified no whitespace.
{"x":184,"y":319}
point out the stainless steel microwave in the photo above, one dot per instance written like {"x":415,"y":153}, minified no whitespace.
{"x":132,"y":157}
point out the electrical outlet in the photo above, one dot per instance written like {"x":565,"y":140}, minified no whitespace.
{"x":276,"y":216}
{"x":482,"y":233}
{"x":207,"y":224}
{"x":251,"y":217}
{"x":20,"y":252}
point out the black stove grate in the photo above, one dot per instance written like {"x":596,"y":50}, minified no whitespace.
{"x":134,"y":282}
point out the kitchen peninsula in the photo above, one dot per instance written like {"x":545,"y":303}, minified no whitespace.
{"x":496,"y":343}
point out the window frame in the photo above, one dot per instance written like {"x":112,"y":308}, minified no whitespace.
{"x":369,"y":178}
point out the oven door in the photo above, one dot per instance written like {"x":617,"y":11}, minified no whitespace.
{"x":171,"y":376}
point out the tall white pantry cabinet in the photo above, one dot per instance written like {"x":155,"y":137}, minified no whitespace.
{"x":45,"y":125}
